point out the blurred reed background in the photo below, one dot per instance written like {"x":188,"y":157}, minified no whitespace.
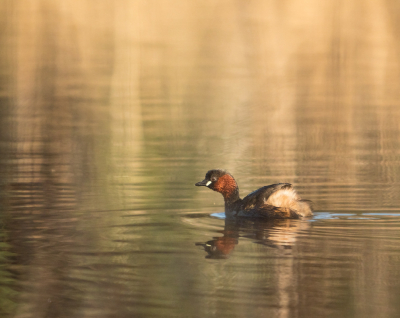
{"x":111,"y":105}
{"x":223,"y":83}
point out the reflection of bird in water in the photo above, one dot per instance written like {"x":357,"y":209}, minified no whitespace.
{"x":275,"y":233}
{"x":219,"y":247}
{"x":276,"y":201}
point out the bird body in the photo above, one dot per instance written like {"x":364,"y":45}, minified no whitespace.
{"x":279,"y":201}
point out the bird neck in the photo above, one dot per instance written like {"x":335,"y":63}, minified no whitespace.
{"x":233,"y":202}
{"x":227,"y":186}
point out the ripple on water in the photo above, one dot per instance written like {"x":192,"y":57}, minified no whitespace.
{"x":351,"y":227}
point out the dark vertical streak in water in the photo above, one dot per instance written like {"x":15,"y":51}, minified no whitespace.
{"x":8,"y":282}
{"x":55,"y":162}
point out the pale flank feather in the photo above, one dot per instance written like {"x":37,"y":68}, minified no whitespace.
{"x":288,"y":198}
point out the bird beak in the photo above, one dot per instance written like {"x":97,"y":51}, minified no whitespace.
{"x":204,"y":183}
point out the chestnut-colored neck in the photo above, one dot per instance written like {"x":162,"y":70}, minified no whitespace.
{"x":229,"y":189}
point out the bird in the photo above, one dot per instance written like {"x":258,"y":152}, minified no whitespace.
{"x":275,"y":201}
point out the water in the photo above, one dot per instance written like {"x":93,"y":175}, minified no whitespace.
{"x":111,"y":111}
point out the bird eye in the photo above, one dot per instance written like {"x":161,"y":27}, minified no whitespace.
{"x":213,"y":179}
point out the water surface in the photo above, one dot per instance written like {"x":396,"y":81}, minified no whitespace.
{"x":111,"y":111}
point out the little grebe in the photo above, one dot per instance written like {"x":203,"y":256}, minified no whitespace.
{"x":278,"y":201}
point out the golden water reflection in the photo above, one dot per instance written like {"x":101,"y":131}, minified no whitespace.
{"x":110,"y":111}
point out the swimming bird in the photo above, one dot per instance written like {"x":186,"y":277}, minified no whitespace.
{"x":275,"y":201}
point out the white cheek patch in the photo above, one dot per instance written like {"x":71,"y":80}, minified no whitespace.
{"x":208,"y":183}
